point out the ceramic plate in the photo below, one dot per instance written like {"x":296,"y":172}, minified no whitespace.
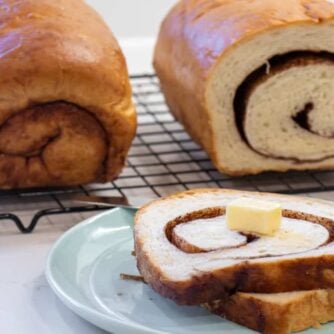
{"x":84,"y":268}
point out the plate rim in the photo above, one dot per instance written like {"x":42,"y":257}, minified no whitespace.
{"x":77,"y":307}
{"x":84,"y":311}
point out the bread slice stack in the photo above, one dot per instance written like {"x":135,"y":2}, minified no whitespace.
{"x":185,"y":252}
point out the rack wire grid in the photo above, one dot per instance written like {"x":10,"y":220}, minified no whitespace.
{"x":162,"y":160}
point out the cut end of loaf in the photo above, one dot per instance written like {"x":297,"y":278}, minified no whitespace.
{"x":283,"y":116}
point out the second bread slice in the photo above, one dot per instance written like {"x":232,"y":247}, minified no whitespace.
{"x":279,"y":313}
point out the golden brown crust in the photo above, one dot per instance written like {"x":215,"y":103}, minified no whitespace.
{"x":196,"y":34}
{"x":281,"y":275}
{"x":61,"y":51}
{"x":276,"y":316}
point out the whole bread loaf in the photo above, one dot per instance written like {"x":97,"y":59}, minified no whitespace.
{"x":252,"y":81}
{"x":66,"y":115}
{"x":186,"y":253}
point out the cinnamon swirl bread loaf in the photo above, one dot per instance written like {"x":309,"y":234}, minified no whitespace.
{"x":252,"y":81}
{"x":186,"y":252}
{"x":66,"y":115}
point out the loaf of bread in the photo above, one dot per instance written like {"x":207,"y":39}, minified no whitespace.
{"x":66,"y":113}
{"x":279,"y":313}
{"x":252,"y":81}
{"x":185,"y":251}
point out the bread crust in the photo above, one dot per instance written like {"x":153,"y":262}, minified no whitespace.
{"x":62,"y":51}
{"x":197,"y":34}
{"x":309,"y":271}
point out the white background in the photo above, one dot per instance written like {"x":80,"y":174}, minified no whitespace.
{"x":136,"y":24}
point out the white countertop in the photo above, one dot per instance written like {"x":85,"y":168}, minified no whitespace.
{"x":27,"y":304}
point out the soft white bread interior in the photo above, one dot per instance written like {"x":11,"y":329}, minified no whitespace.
{"x":252,"y":81}
{"x":278,"y":313}
{"x":212,"y":234}
{"x":294,"y":110}
{"x":192,"y":269}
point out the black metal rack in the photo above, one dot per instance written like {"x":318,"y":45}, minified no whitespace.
{"x":163,"y":159}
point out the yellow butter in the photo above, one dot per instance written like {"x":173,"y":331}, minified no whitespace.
{"x":253,"y":216}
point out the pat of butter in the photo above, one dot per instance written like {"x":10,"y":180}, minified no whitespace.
{"x":253,"y":216}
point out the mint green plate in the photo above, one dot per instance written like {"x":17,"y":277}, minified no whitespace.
{"x":84,"y":268}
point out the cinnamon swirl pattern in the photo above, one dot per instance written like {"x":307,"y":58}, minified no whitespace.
{"x":209,"y":234}
{"x":185,"y":251}
{"x":66,"y":115}
{"x":252,"y":81}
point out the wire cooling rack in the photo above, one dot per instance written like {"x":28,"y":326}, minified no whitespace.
{"x":162,"y":160}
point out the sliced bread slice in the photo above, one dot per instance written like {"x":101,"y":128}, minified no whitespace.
{"x":194,"y":272}
{"x":279,"y":313}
